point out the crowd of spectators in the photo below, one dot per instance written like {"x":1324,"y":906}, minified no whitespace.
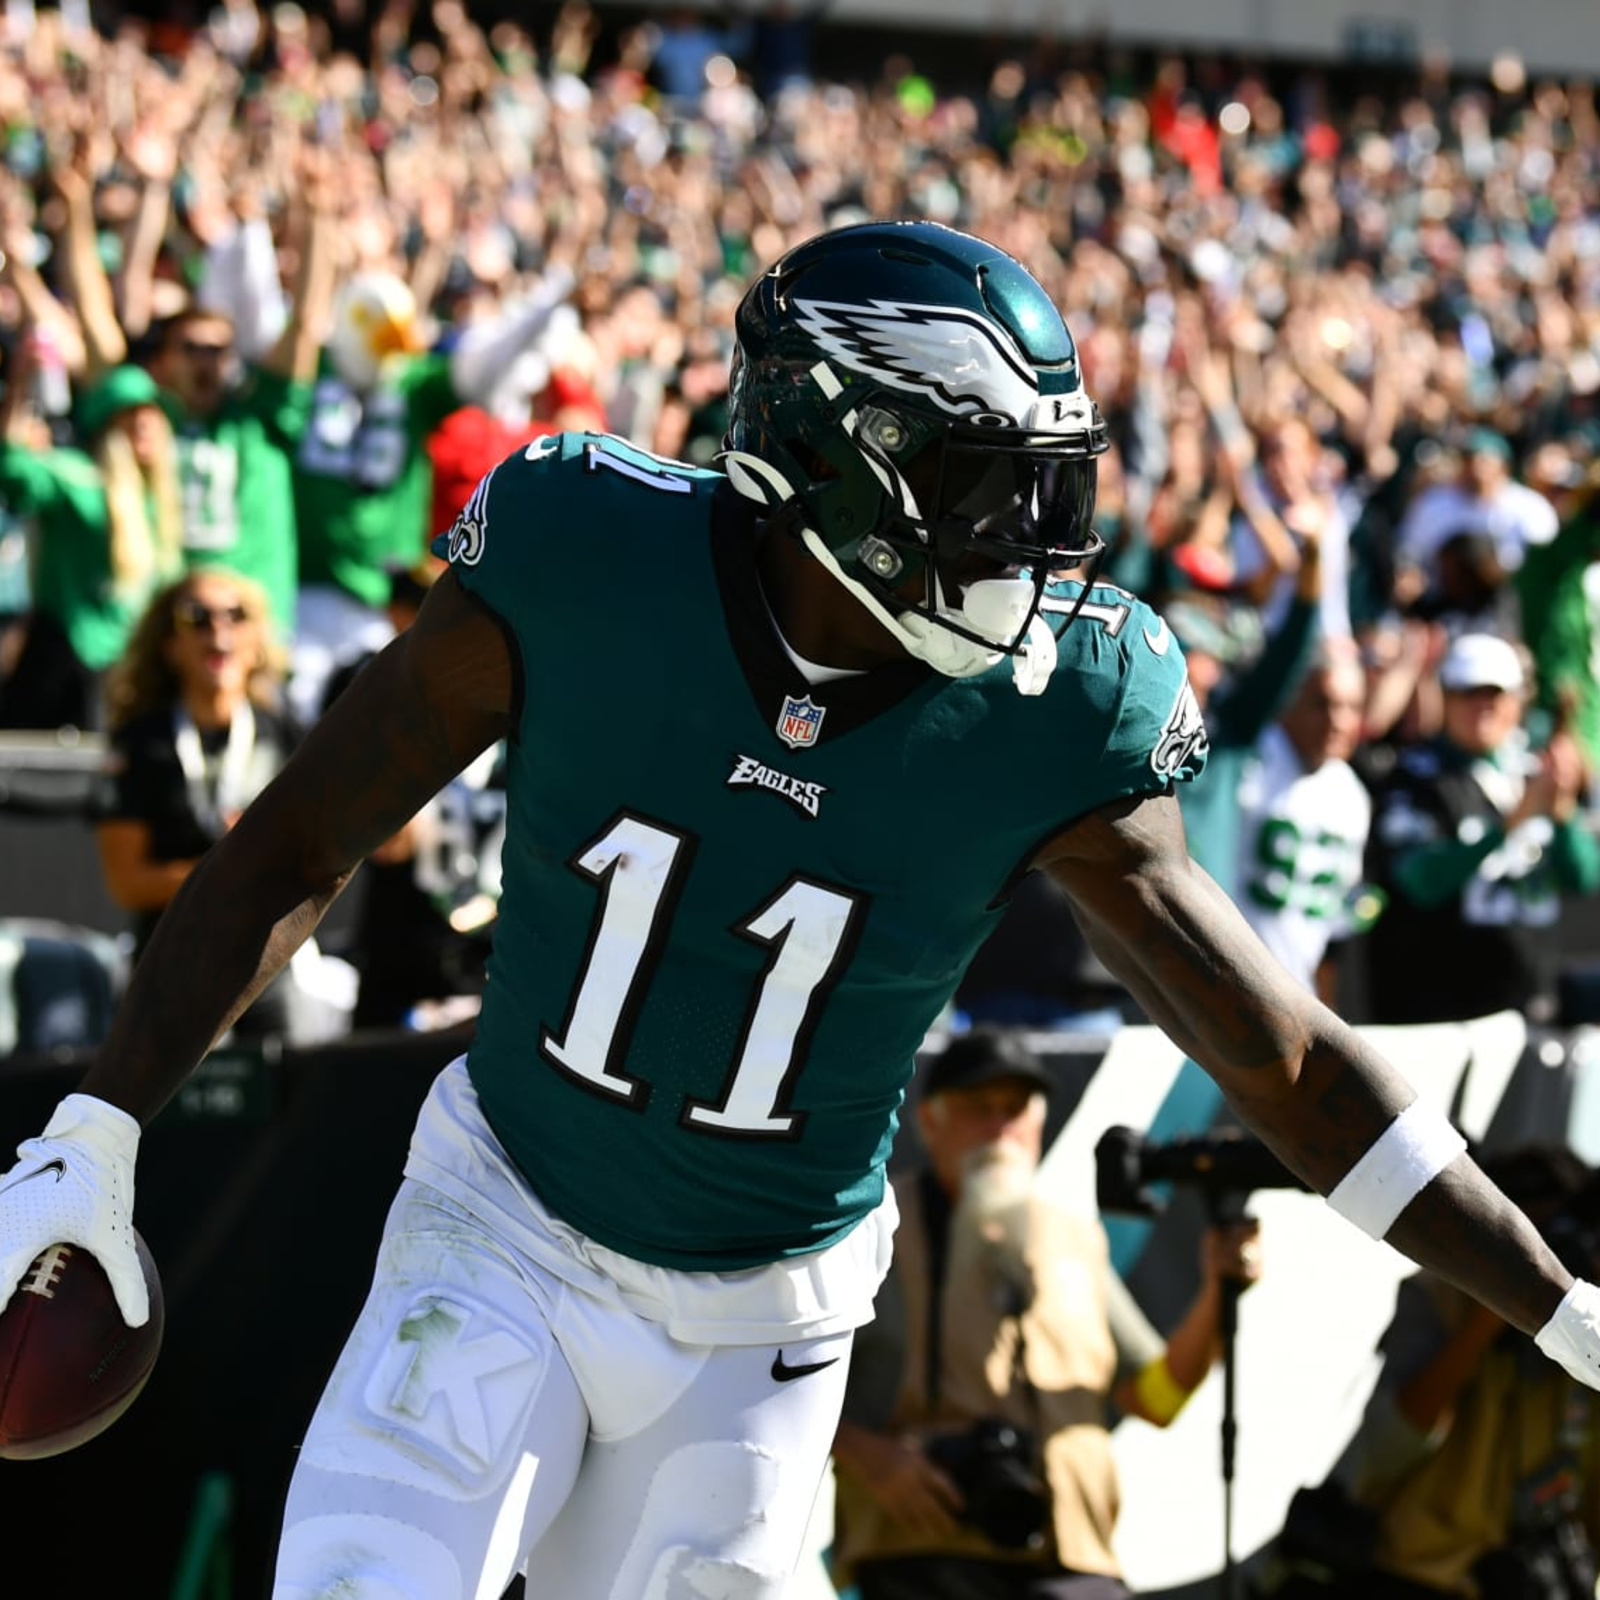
{"x":276,"y":290}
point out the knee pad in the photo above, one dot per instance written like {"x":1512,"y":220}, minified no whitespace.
{"x":734,"y":1552}
{"x":685,"y":1574}
{"x":353,"y":1557}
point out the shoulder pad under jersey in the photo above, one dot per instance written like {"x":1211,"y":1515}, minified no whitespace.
{"x":564,"y":484}
{"x":1117,"y":649}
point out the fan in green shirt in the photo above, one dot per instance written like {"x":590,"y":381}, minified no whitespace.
{"x":235,"y":443}
{"x":1558,"y":587}
{"x":106,"y":538}
{"x":362,"y":478}
{"x":234,"y":432}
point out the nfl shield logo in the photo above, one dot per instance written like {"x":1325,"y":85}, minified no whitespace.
{"x":799,"y":721}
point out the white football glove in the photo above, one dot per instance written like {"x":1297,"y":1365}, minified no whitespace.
{"x":74,"y":1185}
{"x":1571,"y":1338}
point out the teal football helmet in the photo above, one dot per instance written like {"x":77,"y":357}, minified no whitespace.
{"x":907,"y":398}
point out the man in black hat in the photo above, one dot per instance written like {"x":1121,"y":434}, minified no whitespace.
{"x":974,"y":1455}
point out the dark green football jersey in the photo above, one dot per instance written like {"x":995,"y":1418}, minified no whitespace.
{"x":734,"y":903}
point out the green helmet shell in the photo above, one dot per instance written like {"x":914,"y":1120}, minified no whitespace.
{"x":909,"y":389}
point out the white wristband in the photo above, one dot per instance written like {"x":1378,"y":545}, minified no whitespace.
{"x":1405,"y":1158}
{"x":1571,"y":1338}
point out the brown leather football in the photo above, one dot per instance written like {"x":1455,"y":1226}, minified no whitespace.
{"x":69,"y":1365}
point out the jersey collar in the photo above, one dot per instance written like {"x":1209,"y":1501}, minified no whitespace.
{"x":770,"y":671}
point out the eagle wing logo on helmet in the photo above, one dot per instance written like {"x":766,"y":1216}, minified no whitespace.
{"x":961,"y":361}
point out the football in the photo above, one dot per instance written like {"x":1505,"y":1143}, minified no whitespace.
{"x":69,"y":1365}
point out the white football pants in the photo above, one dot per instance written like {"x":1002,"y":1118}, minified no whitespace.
{"x":485,"y":1411}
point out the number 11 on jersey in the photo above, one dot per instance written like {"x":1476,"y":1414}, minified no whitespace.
{"x":807,"y":929}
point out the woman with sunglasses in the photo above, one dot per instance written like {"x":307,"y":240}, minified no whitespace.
{"x":197,"y":729}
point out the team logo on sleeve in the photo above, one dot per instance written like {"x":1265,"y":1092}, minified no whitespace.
{"x":800,"y":721}
{"x":464,"y":543}
{"x":1183,"y":736}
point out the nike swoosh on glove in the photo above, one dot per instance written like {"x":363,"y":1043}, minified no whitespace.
{"x":1571,"y":1337}
{"x":74,"y":1185}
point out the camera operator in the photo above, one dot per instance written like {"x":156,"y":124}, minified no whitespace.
{"x":974,"y":1455}
{"x":1478,"y":1458}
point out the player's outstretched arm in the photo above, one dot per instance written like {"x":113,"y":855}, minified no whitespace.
{"x":1326,"y":1103}
{"x":420,"y":712}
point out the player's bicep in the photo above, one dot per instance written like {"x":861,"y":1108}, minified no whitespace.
{"x":1168,"y":932}
{"x":420,"y":711}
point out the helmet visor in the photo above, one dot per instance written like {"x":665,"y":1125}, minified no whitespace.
{"x":1013,"y":497}
{"x":996,"y":503}
{"x":1020,"y":505}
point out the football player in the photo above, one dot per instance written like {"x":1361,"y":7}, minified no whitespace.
{"x":781,"y":735}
